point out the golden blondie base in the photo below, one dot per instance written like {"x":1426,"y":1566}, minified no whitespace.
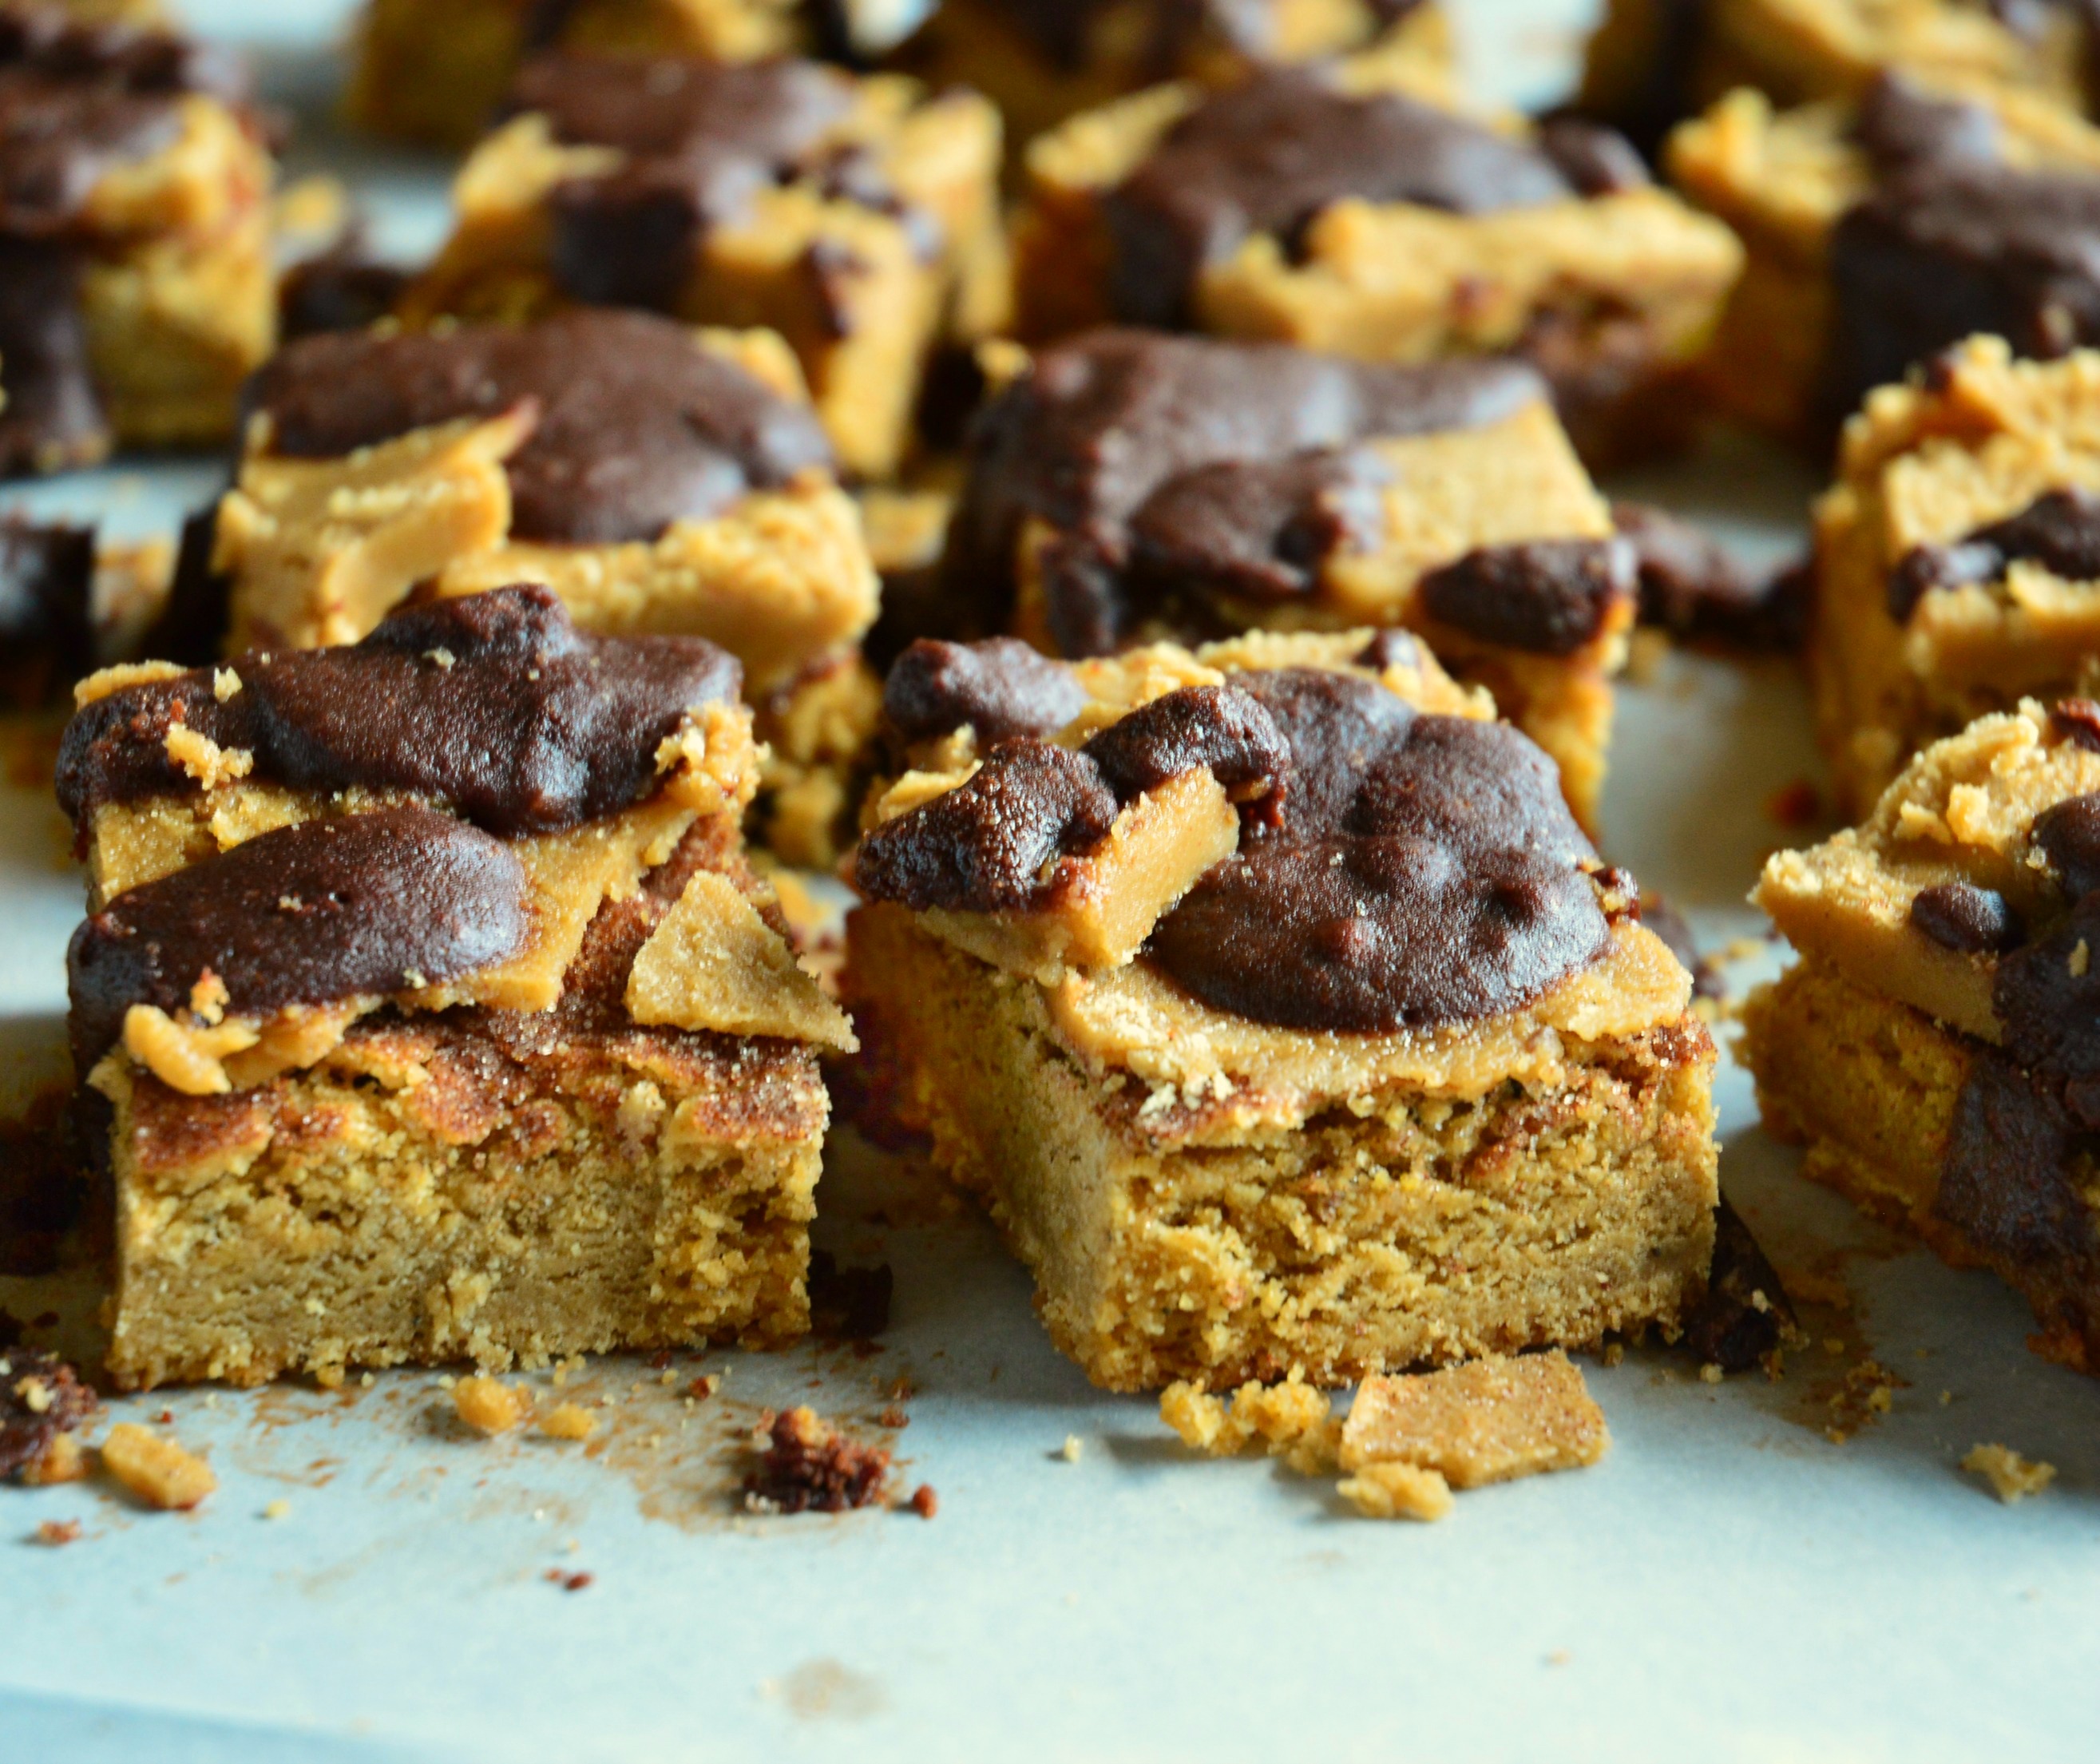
{"x":1869,"y":1088}
{"x":502,"y":1189}
{"x":1391,"y":1231}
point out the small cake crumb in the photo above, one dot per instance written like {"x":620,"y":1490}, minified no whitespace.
{"x":156,"y":1469}
{"x":225,"y":682}
{"x":63,"y":1461}
{"x":1396,"y":1491}
{"x":1487,"y":1421}
{"x":487,"y":1405}
{"x":1711,"y":1374}
{"x":2012,"y":1477}
{"x":55,"y":1533}
{"x":569,"y":1421}
{"x":705,"y":1387}
{"x":805,"y":1465}
{"x":1289,"y":1418}
{"x":924,"y":1501}
{"x":1073,"y":1448}
{"x":1614,"y":1353}
{"x":279,"y":1509}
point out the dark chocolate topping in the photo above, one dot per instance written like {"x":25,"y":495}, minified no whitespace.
{"x":1731,"y":1327}
{"x":2076,"y":720}
{"x":1105,"y":423}
{"x":310,"y":914}
{"x":46,"y":630}
{"x":700,"y":141}
{"x":1391,"y":648}
{"x":990,"y":846}
{"x":2068,"y":836}
{"x":1947,"y":248}
{"x":493,"y":705}
{"x":1901,"y":127}
{"x":1220,"y":728}
{"x":1595,"y":160}
{"x":638,"y":426}
{"x":1547,"y":596}
{"x":1000,"y":687}
{"x":1425,"y":871}
{"x":1267,"y":156}
{"x":1260,"y":529}
{"x":345,"y":287}
{"x":1059,"y":28}
{"x":2059,"y":530}
{"x":1960,"y":916}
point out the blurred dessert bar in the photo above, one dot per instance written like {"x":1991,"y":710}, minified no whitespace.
{"x":1881,"y":230}
{"x":1125,"y":485}
{"x":1958,"y":559}
{"x":854,"y":215}
{"x":432,"y":1010}
{"x":136,"y":289}
{"x":1653,"y":63}
{"x":1935,"y":1049}
{"x":1353,"y":207}
{"x":1278,"y":1009}
{"x":1041,"y":61}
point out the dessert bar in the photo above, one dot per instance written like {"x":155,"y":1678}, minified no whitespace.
{"x":431,"y":1008}
{"x":1352,"y":207}
{"x":1126,"y":485}
{"x":1653,"y":63}
{"x":1041,"y":61}
{"x":1933,"y":1049}
{"x":135,"y":283}
{"x":1277,"y":1008}
{"x":1957,"y":559}
{"x":1881,"y":230}
{"x":856,"y":216}
{"x":659,"y":480}
{"x":436,"y":70}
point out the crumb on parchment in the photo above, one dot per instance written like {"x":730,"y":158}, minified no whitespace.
{"x":568,"y":1421}
{"x":488,"y":1405}
{"x":156,"y":1468}
{"x":1396,"y":1491}
{"x":2012,"y":1477}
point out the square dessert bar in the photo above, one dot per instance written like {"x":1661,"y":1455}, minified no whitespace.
{"x":1934,"y":1049}
{"x":436,"y":70}
{"x":1957,"y":559}
{"x":1351,"y":207}
{"x":1041,"y":61}
{"x":852,"y":214}
{"x":659,"y":479}
{"x":1277,"y":1008}
{"x":1653,"y":63}
{"x":136,"y":290}
{"x":1127,"y":485}
{"x":1881,"y":229}
{"x":432,"y":1007}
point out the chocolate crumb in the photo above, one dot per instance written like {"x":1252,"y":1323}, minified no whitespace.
{"x":568,"y":1582}
{"x":1693,"y":589}
{"x":40,"y":1397}
{"x":924,"y":1501}
{"x":1746,"y":1313}
{"x":2077,"y":720}
{"x":849,"y":1305}
{"x":808,"y":1467}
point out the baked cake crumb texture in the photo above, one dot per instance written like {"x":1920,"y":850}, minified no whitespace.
{"x":2012,"y":1477}
{"x":156,"y":1468}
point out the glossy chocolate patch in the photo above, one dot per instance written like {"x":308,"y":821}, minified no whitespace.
{"x":46,"y":628}
{"x":1962,"y":917}
{"x":1109,"y":422}
{"x":494,"y":705}
{"x":1269,"y":155}
{"x":1549,"y":597}
{"x":637,"y":427}
{"x":323,"y":910}
{"x":999,"y":688}
{"x":1425,"y":871}
{"x":2059,"y":530}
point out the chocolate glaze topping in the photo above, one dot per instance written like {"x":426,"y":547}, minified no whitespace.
{"x":1693,"y":589}
{"x":1105,"y":424}
{"x":1394,"y":871}
{"x":1960,"y":916}
{"x":1268,"y":155}
{"x":1731,"y":1327}
{"x":309,"y":914}
{"x":76,"y":101}
{"x":46,"y":631}
{"x":1425,"y":871}
{"x":1000,"y":687}
{"x":1547,"y":596}
{"x":2059,"y":530}
{"x":1953,"y":242}
{"x":493,"y":705}
{"x":1060,"y":28}
{"x":701,"y":140}
{"x":637,"y":427}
